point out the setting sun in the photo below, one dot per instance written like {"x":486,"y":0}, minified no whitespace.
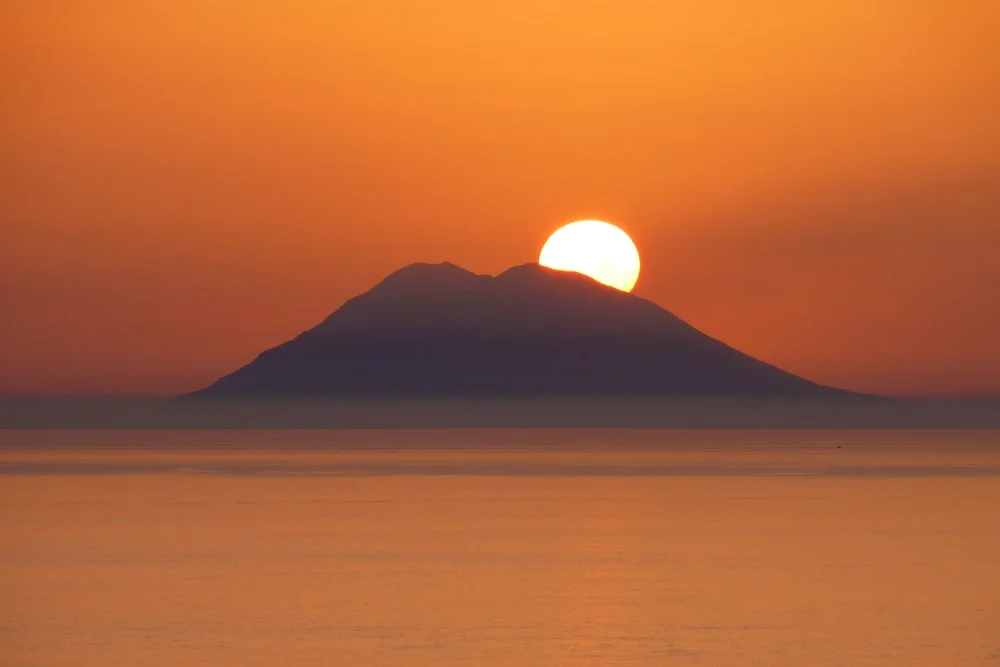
{"x":596,"y":249}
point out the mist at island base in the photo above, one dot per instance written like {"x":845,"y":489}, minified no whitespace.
{"x":499,"y":547}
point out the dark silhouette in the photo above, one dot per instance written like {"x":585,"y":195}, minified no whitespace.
{"x":439,"y":330}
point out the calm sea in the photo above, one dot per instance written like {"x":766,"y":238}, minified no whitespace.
{"x":496,"y":547}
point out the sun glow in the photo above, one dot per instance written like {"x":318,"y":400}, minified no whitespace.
{"x":596,"y":249}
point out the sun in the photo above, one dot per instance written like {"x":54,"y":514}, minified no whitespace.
{"x":596,"y":249}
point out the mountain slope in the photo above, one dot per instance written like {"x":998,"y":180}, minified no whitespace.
{"x":441,"y":330}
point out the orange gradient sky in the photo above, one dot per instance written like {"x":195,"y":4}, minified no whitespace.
{"x":184,"y":184}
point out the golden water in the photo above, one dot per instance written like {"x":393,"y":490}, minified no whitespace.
{"x":499,"y":548}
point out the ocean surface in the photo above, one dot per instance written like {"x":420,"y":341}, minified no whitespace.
{"x":497,"y":547}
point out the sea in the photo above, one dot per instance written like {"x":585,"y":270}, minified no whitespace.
{"x":499,"y":546}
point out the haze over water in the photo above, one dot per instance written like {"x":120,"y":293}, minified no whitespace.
{"x":499,"y":547}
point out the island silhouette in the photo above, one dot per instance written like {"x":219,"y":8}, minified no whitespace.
{"x":440,"y":330}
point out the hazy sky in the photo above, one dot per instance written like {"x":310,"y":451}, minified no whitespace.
{"x":185,"y":183}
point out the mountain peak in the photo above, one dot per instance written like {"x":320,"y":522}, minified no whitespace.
{"x":423,"y":271}
{"x":438,"y":329}
{"x":529,"y":269}
{"x":535,"y":275}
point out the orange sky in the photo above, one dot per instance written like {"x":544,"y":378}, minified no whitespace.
{"x":185,"y":183}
